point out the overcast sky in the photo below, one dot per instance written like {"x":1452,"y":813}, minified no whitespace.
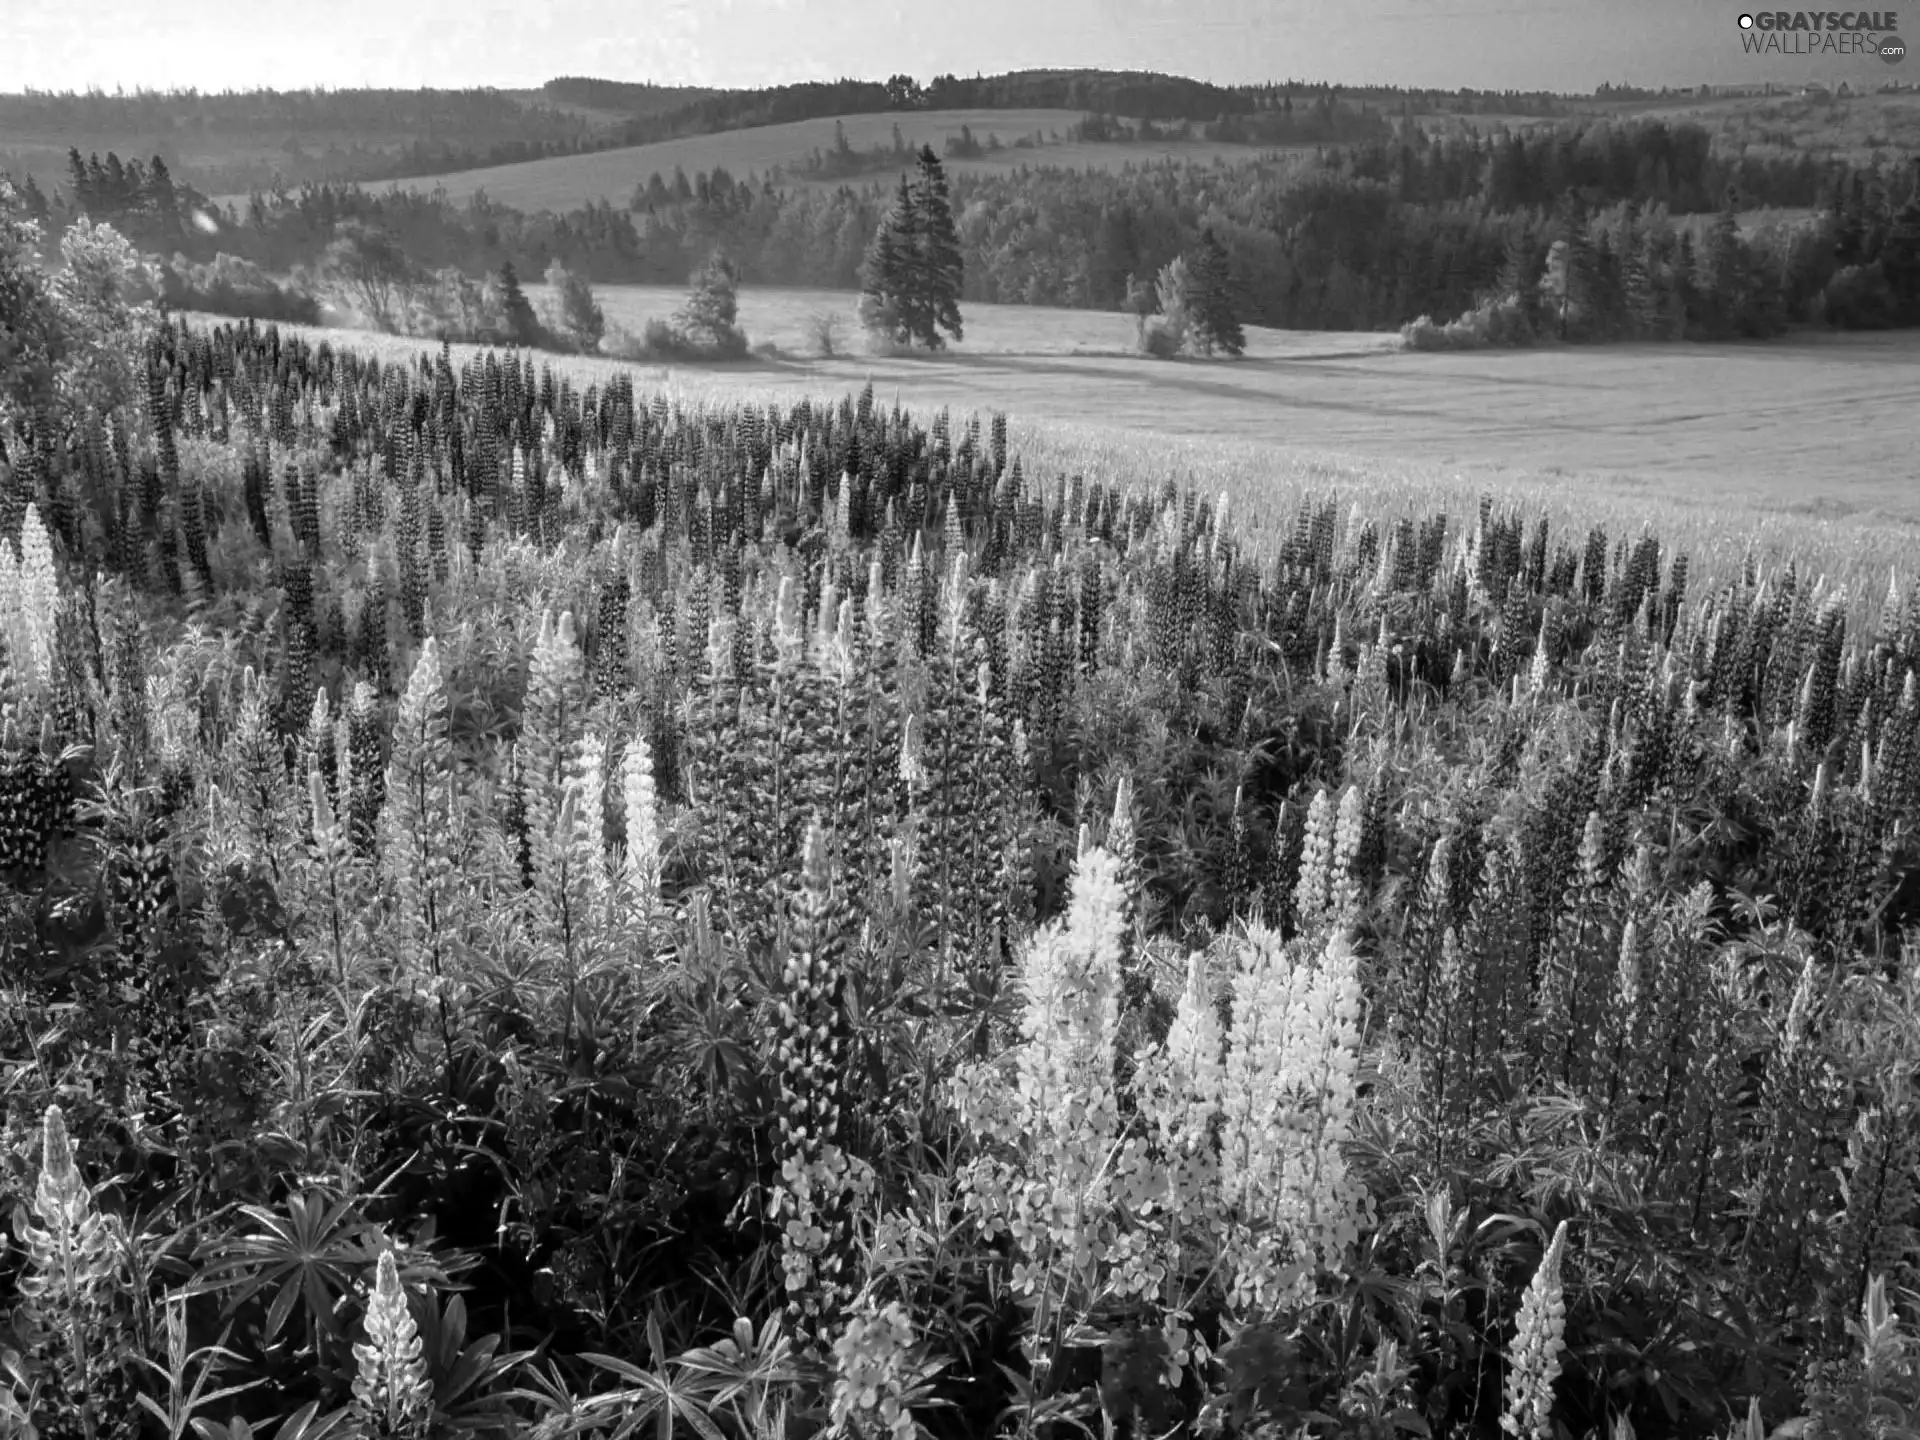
{"x":1567,"y":45}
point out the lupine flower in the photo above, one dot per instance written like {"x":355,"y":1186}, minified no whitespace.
{"x":1533,"y":1360}
{"x":392,"y":1392}
{"x":640,"y":867}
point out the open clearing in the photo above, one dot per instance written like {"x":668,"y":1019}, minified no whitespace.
{"x":567,"y":181}
{"x":1816,"y":438}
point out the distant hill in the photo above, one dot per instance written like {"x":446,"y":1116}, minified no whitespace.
{"x":622,"y":98}
{"x":233,"y":143}
{"x":1002,"y":141}
{"x":241,"y":141}
{"x":578,"y":137}
{"x":1854,"y":127}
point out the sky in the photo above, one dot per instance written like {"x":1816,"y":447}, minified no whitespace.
{"x":1563,"y":45}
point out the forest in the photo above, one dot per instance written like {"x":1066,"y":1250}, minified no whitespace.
{"x":1369,"y":236}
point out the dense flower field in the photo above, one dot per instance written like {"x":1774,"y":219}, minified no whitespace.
{"x":544,"y":913}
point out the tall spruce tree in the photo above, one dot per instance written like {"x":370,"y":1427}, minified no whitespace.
{"x":1640,"y":295}
{"x":1519,"y":277}
{"x":912,"y":275}
{"x":1726,"y":271}
{"x":887,"y":283}
{"x":1210,"y":303}
{"x":523,"y":326}
{"x":941,"y":269}
{"x":163,"y":201}
{"x":1574,"y":271}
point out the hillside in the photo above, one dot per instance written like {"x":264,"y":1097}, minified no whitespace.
{"x":1855,"y":127}
{"x":230,"y":143}
{"x":566,"y":182}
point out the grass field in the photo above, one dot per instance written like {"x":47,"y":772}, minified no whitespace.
{"x":567,"y":181}
{"x":781,"y":316}
{"x":1808,"y":443}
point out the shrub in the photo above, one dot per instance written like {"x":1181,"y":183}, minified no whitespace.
{"x":1495,"y":323}
{"x":369,"y":272}
{"x":822,"y":332}
{"x":102,"y":295}
{"x":577,"y":315}
{"x":1168,"y":333}
{"x":456,"y":307}
{"x":1162,"y":338}
{"x":1857,"y":298}
{"x":622,"y":344}
{"x":707,"y":325}
{"x":231,"y":285}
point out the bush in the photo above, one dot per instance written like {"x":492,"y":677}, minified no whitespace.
{"x":662,"y":340}
{"x":231,"y":285}
{"x":102,"y":295}
{"x":576,"y":314}
{"x":822,"y":332}
{"x":1166,"y":334}
{"x":707,"y":326}
{"x":1496,"y":324}
{"x":1857,"y":298}
{"x":1163,"y":337}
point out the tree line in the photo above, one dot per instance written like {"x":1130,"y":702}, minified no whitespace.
{"x":1363,"y":238}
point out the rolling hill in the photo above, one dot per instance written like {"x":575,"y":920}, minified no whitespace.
{"x":566,"y":181}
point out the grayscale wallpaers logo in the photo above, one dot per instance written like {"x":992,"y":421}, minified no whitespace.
{"x":1823,"y":33}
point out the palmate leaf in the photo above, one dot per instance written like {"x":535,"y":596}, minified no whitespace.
{"x":657,"y":1394}
{"x":742,"y":1363}
{"x":315,"y":1250}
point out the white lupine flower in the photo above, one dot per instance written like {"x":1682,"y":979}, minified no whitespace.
{"x":1288,"y":1101}
{"x":29,"y":600}
{"x":1194,"y":1043}
{"x":1537,"y":672}
{"x":1063,"y":1115}
{"x":1628,"y":978}
{"x":1311,"y":890}
{"x":1534,"y":1358}
{"x":1178,"y":1084}
{"x":640,"y":866}
{"x":392,"y":1388}
{"x":592,"y":817}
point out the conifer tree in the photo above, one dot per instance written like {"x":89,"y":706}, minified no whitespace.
{"x":913,"y":271}
{"x":1571,"y":270}
{"x":1726,"y":270}
{"x":523,"y":326}
{"x":887,"y":290}
{"x":1519,"y":279}
{"x":163,"y":201}
{"x":941,"y":270}
{"x":1210,"y":299}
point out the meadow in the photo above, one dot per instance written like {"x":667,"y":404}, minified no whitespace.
{"x":1818,"y":425}
{"x":572,"y":908}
